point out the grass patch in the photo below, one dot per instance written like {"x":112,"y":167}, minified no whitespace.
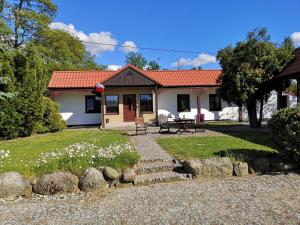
{"x":68,"y":150}
{"x":241,"y":145}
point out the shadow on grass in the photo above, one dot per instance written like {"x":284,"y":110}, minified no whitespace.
{"x":260,"y":136}
{"x":246,"y":155}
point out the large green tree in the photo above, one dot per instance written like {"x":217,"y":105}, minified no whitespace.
{"x":27,"y":17}
{"x":139,"y":61}
{"x":248,"y":71}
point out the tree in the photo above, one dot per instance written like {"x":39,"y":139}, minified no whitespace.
{"x":63,"y":51}
{"x":27,"y":17}
{"x":139,"y":61}
{"x":153,"y":65}
{"x":248,"y":70}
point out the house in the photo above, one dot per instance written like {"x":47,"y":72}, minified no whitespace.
{"x":131,"y":92}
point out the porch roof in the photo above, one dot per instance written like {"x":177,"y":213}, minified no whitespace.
{"x":292,"y":70}
{"x":164,"y":78}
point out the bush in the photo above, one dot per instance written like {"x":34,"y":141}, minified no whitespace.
{"x":51,"y":121}
{"x":285,"y":128}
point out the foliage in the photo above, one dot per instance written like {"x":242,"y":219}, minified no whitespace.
{"x":51,"y":118}
{"x":153,"y":65}
{"x":292,"y":89}
{"x":285,"y":127}
{"x":248,"y":70}
{"x":26,"y":155}
{"x":27,"y":18}
{"x":139,"y":61}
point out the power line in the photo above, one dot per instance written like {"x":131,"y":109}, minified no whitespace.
{"x":147,"y":48}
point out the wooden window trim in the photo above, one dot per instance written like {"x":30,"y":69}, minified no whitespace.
{"x":146,"y":112}
{"x":112,"y":113}
{"x":217,"y":109}
{"x":189,"y":103}
{"x":91,"y":112}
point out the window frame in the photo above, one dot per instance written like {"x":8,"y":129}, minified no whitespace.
{"x":145,"y":112}
{"x":94,"y":100}
{"x":112,"y":113}
{"x":180,"y":109}
{"x":216,"y":108}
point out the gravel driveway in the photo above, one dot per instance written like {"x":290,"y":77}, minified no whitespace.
{"x":252,"y":200}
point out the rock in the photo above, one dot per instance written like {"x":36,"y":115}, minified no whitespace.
{"x":101,"y":168}
{"x":13,"y":185}
{"x":92,"y":180}
{"x":128,"y":175}
{"x":261,"y":165}
{"x":213,"y":167}
{"x":56,"y":183}
{"x":240,"y":169}
{"x":111,"y":173}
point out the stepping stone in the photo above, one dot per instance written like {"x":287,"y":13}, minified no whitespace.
{"x":156,"y":166}
{"x":160,"y":177}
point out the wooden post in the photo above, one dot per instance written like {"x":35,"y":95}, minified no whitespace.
{"x":298,"y":90}
{"x":102,"y":110}
{"x":156,"y":105}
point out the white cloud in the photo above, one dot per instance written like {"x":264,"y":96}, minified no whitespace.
{"x":200,"y":60}
{"x":101,"y":37}
{"x":128,"y":46}
{"x":113,"y":67}
{"x":296,"y":38}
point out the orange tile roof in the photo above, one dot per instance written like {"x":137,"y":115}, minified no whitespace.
{"x":167,"y":78}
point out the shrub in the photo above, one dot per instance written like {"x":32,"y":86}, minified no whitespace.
{"x":51,"y":121}
{"x":285,"y":128}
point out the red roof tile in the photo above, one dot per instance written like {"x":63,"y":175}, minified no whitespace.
{"x":167,"y":78}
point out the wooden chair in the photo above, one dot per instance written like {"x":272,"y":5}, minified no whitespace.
{"x":163,"y":123}
{"x":199,"y":122}
{"x":140,"y":125}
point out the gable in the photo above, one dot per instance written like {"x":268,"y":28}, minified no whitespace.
{"x":129,"y":77}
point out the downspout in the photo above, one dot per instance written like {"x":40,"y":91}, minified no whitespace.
{"x":156,"y":104}
{"x":102,"y":110}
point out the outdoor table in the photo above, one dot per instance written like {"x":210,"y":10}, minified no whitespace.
{"x":184,"y":125}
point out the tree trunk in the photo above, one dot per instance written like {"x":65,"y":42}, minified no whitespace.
{"x":261,"y":109}
{"x":252,"y":114}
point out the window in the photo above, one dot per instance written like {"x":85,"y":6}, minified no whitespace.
{"x":92,"y":104}
{"x":112,"y":103}
{"x":215,"y":102}
{"x":183,"y":103}
{"x":146,"y":103}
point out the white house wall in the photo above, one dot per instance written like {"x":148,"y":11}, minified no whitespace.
{"x":167,"y":105}
{"x":72,"y":109}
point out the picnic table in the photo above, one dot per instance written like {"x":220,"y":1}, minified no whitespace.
{"x":183,"y":125}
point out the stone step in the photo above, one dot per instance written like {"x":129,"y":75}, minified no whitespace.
{"x":160,"y":177}
{"x":156,"y":166}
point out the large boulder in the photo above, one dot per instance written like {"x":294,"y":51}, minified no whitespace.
{"x":240,"y":169}
{"x":92,"y":180}
{"x":13,"y":185}
{"x":111,"y":173}
{"x":262,"y":165}
{"x":213,"y":167}
{"x":128,"y":175}
{"x":56,"y":183}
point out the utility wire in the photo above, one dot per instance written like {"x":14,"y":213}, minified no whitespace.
{"x":147,"y":48}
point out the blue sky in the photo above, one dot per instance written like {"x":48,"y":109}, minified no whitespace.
{"x":191,"y":25}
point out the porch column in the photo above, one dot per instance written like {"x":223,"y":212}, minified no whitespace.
{"x":279,"y":94}
{"x":102,"y":110}
{"x":241,"y":113}
{"x":156,"y":105}
{"x":298,"y":90}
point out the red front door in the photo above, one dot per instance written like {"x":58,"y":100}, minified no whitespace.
{"x":129,"y":108}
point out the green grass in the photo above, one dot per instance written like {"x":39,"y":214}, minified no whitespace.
{"x":240,"y":145}
{"x":26,"y":152}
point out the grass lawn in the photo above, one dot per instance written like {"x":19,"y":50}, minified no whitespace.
{"x":70,"y":150}
{"x":238,"y":144}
